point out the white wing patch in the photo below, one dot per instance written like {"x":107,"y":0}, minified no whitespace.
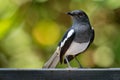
{"x":76,"y":48}
{"x":68,"y":35}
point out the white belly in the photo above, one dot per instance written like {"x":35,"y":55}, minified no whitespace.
{"x":76,"y":48}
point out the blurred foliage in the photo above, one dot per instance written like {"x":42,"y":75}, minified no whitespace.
{"x":31,"y":29}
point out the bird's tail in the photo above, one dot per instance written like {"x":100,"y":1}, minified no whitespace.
{"x":53,"y":61}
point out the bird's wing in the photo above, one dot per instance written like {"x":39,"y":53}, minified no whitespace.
{"x":66,"y":42}
{"x":92,"y":37}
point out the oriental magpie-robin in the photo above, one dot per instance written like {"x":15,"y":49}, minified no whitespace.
{"x":75,"y":41}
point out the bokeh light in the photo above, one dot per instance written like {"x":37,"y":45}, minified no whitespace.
{"x":46,"y":32}
{"x":103,"y":56}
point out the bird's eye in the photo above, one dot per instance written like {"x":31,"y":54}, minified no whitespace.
{"x":81,"y":14}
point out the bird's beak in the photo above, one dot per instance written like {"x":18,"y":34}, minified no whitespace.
{"x":69,"y":13}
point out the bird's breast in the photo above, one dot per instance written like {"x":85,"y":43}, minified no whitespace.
{"x":82,"y":36}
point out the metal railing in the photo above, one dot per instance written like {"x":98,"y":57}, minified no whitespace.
{"x":60,"y":74}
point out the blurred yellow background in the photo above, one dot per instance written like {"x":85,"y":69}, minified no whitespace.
{"x":31,"y":29}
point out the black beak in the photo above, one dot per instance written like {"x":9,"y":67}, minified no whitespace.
{"x":69,"y":13}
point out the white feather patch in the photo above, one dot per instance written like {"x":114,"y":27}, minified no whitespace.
{"x":76,"y":48}
{"x":68,"y":35}
{"x":92,"y":28}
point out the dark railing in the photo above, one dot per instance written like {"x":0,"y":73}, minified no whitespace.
{"x":60,"y":74}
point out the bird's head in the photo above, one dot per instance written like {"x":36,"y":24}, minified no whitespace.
{"x":78,"y":16}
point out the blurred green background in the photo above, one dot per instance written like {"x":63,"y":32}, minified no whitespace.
{"x":31,"y":29}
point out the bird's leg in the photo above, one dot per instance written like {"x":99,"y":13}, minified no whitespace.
{"x":78,"y":62}
{"x":68,"y":62}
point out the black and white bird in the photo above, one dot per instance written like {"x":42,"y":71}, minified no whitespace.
{"x":75,"y":41}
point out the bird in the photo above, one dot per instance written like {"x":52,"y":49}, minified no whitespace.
{"x":75,"y":41}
